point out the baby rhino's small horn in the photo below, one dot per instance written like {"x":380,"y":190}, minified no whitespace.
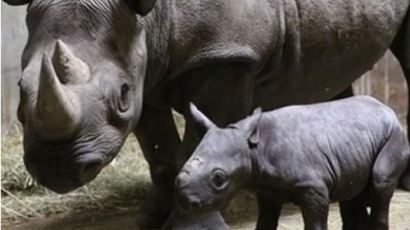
{"x":201,"y":120}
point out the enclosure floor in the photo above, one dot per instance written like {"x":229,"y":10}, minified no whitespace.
{"x":290,"y":219}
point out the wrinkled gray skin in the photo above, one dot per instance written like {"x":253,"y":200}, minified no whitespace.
{"x":94,"y":71}
{"x":351,"y":151}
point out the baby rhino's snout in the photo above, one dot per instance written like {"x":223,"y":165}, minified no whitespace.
{"x":182,"y":180}
{"x":185,"y":198}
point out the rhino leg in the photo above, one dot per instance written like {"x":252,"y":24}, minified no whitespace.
{"x":314,"y":203}
{"x":354,"y":214}
{"x":379,"y":218}
{"x":387,"y":169}
{"x":224,"y":93}
{"x":269,"y":212}
{"x":159,"y":140}
{"x":185,"y":221}
{"x":401,"y":49}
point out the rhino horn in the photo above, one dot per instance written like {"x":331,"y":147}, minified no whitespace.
{"x":69,"y":68}
{"x":57,"y":107}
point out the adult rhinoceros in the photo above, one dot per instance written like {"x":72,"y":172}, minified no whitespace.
{"x":93,"y":72}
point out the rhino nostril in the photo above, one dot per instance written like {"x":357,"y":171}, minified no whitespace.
{"x":89,"y":170}
{"x":195,"y":204}
{"x":92,"y":166}
{"x":179,"y":182}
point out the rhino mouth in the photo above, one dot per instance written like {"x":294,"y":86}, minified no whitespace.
{"x":63,"y":166}
{"x":64,"y":177}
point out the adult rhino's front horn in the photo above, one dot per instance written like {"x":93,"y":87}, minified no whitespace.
{"x":58,"y":111}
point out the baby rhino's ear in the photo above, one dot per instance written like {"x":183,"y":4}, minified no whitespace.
{"x":251,"y":127}
{"x":202,"y":122}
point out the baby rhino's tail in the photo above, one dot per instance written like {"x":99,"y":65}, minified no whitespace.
{"x":400,"y":145}
{"x":392,"y":163}
{"x":404,"y":182}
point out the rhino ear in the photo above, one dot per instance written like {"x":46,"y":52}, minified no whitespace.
{"x":251,"y":129}
{"x":142,"y":7}
{"x":203,"y":123}
{"x":17,"y":2}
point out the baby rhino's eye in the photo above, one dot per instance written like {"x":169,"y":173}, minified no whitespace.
{"x":219,"y":179}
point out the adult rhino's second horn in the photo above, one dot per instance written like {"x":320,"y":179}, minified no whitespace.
{"x":69,"y":68}
{"x":57,"y":109}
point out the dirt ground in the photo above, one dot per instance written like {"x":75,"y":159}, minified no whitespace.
{"x":240,"y":215}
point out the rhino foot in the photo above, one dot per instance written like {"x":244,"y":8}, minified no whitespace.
{"x":405,"y":181}
{"x":154,"y":212}
{"x":149,"y":221}
{"x":200,"y":221}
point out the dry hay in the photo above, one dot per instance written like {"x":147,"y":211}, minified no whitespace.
{"x":115,"y":188}
{"x":121,"y":186}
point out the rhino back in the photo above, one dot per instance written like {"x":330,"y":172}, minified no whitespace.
{"x":297,"y":51}
{"x":325,"y":46}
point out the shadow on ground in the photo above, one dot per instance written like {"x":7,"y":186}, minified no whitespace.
{"x":241,"y":210}
{"x":241,"y":214}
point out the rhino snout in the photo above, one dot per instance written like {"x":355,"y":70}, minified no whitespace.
{"x":88,"y":170}
{"x":189,"y":203}
{"x":182,"y":180}
{"x":62,"y":177}
{"x":186,"y":193}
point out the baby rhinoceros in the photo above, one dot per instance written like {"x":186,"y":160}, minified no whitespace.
{"x":351,"y":151}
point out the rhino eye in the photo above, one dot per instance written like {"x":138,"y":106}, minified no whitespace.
{"x":219,"y":179}
{"x":125,"y":98}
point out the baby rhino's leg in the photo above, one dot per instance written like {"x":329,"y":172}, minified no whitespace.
{"x":387,"y":170}
{"x":354,"y":214}
{"x":269,"y":212}
{"x":315,"y":208}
